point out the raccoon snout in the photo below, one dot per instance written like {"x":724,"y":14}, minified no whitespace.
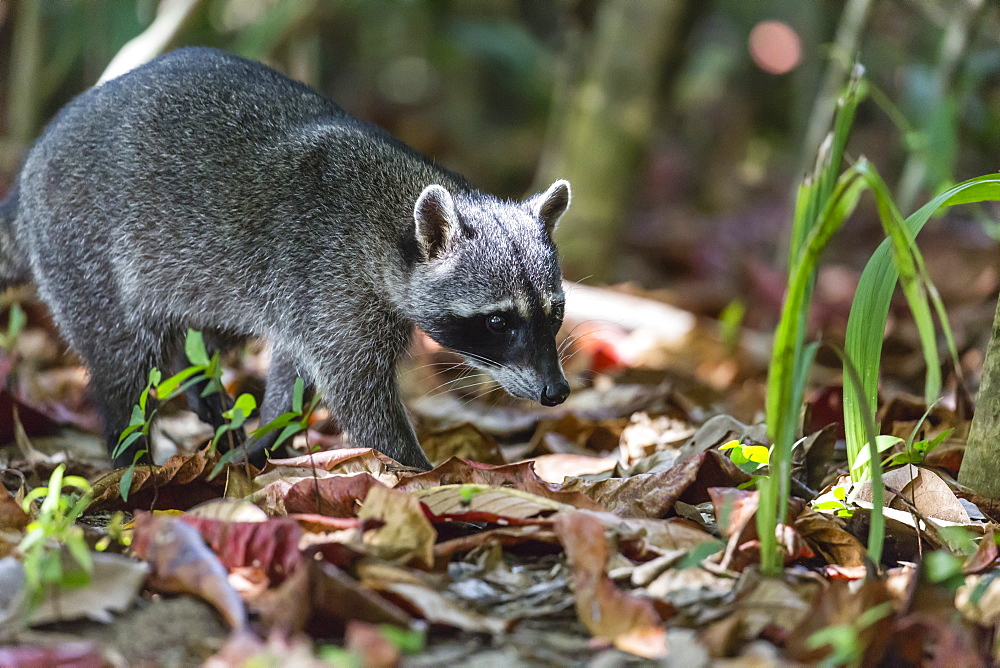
{"x":555,"y":393}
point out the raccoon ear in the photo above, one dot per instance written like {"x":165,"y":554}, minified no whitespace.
{"x":437,"y":220}
{"x":549,"y":206}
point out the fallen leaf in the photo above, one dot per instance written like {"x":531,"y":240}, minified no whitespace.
{"x":488,"y":504}
{"x":68,"y":653}
{"x":465,"y":441}
{"x":519,"y":476}
{"x":922,"y":488}
{"x":323,"y":598}
{"x":180,"y":483}
{"x":271,"y":546}
{"x":228,"y":510}
{"x":182,"y":564}
{"x":829,"y":539}
{"x":628,"y":621}
{"x":336,"y":496}
{"x":437,"y":609}
{"x":405,"y":534}
{"x":652,"y":495}
{"x":556,"y":468}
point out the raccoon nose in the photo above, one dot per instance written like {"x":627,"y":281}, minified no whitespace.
{"x":555,"y":393}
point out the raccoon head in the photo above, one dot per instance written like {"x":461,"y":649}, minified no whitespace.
{"x":486,"y":283}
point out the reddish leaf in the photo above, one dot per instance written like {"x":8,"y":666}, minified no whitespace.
{"x":321,"y":523}
{"x":630,"y":622}
{"x":271,"y":546}
{"x":182,"y":563}
{"x":335,"y":496}
{"x":83,"y":654}
{"x":986,"y":555}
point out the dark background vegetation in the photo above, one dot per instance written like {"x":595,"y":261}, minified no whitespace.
{"x":683,"y":150}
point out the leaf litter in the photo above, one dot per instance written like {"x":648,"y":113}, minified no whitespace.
{"x":612,"y":529}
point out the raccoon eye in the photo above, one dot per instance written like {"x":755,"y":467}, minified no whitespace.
{"x":556,"y":316}
{"x":497,"y":324}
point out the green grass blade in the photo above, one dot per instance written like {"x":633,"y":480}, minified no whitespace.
{"x":870,"y":309}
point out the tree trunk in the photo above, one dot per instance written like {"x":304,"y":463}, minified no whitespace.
{"x":600,"y":129}
{"x":981,"y":465}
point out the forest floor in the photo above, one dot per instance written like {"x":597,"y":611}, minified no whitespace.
{"x":610,"y":530}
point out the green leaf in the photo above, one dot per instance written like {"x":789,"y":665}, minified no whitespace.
{"x":245,"y":402}
{"x":123,"y":446}
{"x":194,"y":348}
{"x":171,"y":387}
{"x":15,"y":322}
{"x":298,"y":391}
{"x":78,"y":547}
{"x":286,"y":434}
{"x":882,"y":443}
{"x":277,"y":423}
{"x":700,"y":553}
{"x":408,"y":641}
{"x":125,"y":484}
{"x":226,"y":458}
{"x":870,"y":309}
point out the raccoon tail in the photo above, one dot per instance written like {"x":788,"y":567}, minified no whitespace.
{"x":14,"y":269}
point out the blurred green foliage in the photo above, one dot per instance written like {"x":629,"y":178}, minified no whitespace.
{"x":477,"y":85}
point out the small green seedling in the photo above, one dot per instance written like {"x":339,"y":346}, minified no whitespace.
{"x":838,"y":502}
{"x":748,"y":458}
{"x":53,"y":530}
{"x":290,"y":423}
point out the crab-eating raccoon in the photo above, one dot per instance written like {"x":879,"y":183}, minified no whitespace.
{"x":205,"y":191}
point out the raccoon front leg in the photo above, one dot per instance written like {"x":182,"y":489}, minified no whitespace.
{"x":359,"y":386}
{"x":119,"y":367}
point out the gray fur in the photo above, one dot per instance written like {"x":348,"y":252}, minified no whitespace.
{"x":209,"y":192}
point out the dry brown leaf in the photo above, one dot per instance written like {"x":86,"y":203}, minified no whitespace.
{"x":180,"y":483}
{"x":437,"y":609}
{"x":842,"y":603}
{"x":628,"y":621}
{"x":519,"y":476}
{"x":922,"y":488}
{"x":465,"y":441}
{"x":652,"y":495}
{"x":556,"y":469}
{"x":405,"y":534}
{"x":324,"y":598}
{"x":494,"y":503}
{"x":831,"y":541}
